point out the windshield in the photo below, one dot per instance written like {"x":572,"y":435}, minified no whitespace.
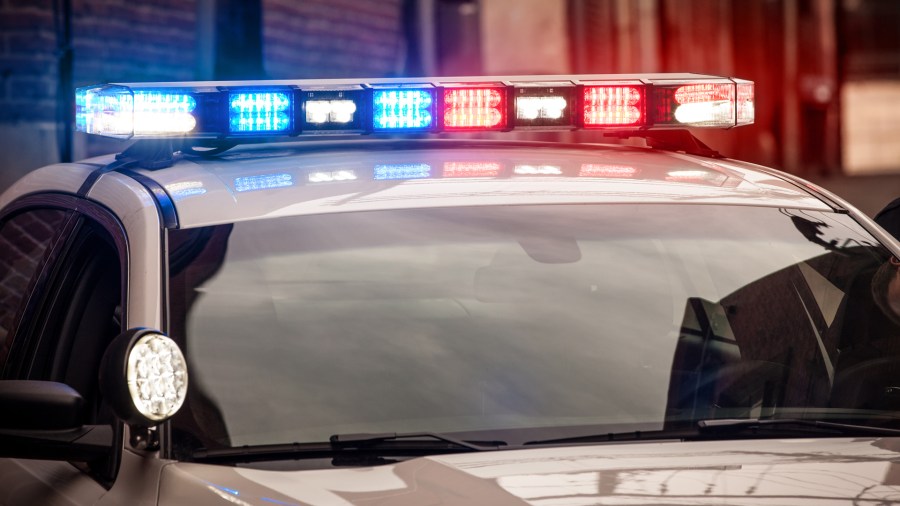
{"x":501,"y":321}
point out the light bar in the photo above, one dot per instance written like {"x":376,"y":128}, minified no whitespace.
{"x":230,"y":110}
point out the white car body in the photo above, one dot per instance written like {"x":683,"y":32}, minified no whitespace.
{"x":203,"y":192}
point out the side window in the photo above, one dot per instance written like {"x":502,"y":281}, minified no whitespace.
{"x":25,"y":240}
{"x":82,"y":313}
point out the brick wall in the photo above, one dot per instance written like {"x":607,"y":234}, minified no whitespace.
{"x":27,"y":62}
{"x":332,"y":38}
{"x":122,"y":40}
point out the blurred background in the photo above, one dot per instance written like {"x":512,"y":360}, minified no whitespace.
{"x":827,"y":72}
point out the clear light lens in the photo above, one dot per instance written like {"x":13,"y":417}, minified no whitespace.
{"x":532,"y":108}
{"x":330,"y":111}
{"x":745,"y":110}
{"x":106,"y":110}
{"x":262,"y":182}
{"x":259,"y":112}
{"x":117,"y":111}
{"x":402,"y":109}
{"x":402,"y":171}
{"x":157,"y":376}
{"x":471,"y":169}
{"x":474,"y":108}
{"x":705,"y":104}
{"x":158,"y":113}
{"x":613,"y":105}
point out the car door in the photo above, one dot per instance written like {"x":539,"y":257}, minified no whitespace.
{"x":69,"y":272}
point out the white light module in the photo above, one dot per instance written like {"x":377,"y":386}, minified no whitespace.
{"x":156,"y":376}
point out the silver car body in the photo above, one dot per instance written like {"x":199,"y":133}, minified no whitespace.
{"x":261,"y":182}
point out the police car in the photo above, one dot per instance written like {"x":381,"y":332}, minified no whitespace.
{"x":418,"y":315}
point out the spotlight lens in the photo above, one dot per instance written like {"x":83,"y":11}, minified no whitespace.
{"x":157,"y":376}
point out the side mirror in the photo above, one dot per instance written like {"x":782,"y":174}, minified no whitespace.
{"x":144,"y":377}
{"x":43,"y":420}
{"x":39,"y":405}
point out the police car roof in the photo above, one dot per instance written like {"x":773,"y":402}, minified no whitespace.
{"x":263,"y":181}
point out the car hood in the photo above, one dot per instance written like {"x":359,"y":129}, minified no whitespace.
{"x":792,"y":471}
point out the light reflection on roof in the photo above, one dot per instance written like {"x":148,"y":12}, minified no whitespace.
{"x":414,"y":175}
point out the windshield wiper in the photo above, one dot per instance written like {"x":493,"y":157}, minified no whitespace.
{"x":348,"y":447}
{"x":741,"y":424}
{"x":729,"y":427}
{"x":615,"y":437}
{"x":355,"y":440}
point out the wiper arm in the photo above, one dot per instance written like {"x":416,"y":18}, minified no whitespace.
{"x":352,"y":447}
{"x":740,"y":424}
{"x":720,"y":428}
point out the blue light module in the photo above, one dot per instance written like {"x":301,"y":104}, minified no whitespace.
{"x":259,"y":112}
{"x":402,"y":109}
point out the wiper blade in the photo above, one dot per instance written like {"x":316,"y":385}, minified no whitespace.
{"x":616,"y":437}
{"x":349,"y":447}
{"x":741,"y":424}
{"x":727,"y":427}
{"x":359,"y":440}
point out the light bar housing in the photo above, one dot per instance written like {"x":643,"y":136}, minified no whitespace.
{"x":237,"y":110}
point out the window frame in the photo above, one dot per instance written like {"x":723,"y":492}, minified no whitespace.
{"x":30,"y":332}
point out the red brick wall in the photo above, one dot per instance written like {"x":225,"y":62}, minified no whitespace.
{"x":126,"y":40}
{"x":27,"y":63}
{"x":332,"y":38}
